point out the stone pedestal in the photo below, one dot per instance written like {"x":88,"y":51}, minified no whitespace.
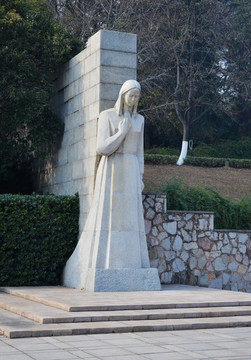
{"x":109,"y":280}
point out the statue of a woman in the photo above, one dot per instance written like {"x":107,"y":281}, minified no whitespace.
{"x":111,"y":254}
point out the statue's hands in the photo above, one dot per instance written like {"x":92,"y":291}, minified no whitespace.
{"x":124,"y":126}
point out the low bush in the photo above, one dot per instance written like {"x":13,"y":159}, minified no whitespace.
{"x":227,"y":214}
{"x":204,"y":161}
{"x":37,"y":235}
{"x":234,"y":149}
{"x":163,"y":151}
{"x":157,"y":159}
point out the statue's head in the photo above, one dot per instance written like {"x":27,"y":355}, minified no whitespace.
{"x":127,"y":88}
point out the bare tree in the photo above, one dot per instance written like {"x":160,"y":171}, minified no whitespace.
{"x":180,"y":47}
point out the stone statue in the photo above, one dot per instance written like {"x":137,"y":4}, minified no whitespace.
{"x":112,"y":254}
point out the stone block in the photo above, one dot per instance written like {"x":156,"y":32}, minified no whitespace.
{"x":166,"y":277}
{"x":67,"y":188}
{"x":110,"y":280}
{"x":184,"y":256}
{"x":92,"y":62}
{"x":227,"y":249}
{"x":106,"y":104}
{"x":75,"y":104}
{"x":77,"y":71}
{"x":242,"y":249}
{"x":93,"y":43}
{"x":62,"y":156}
{"x":192,"y":263}
{"x":108,"y":92}
{"x":92,"y":78}
{"x":119,"y":41}
{"x":219,"y":264}
{"x":202,"y":262}
{"x":190,"y":246}
{"x":186,"y":236}
{"x":116,"y":75}
{"x":170,"y":227}
{"x":78,"y":58}
{"x":67,"y":139}
{"x":94,"y":110}
{"x":177,"y":244}
{"x":243,"y":238}
{"x":91,"y":95}
{"x":78,"y":133}
{"x":178,"y":265}
{"x":233,"y":265}
{"x":118,"y":59}
{"x":78,"y":170}
{"x":63,"y":173}
{"x":211,"y":222}
{"x":74,"y":89}
{"x":166,"y":244}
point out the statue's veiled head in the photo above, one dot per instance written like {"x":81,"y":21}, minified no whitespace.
{"x":125,"y":88}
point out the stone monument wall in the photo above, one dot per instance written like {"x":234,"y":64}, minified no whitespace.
{"x":86,"y":85}
{"x":186,"y":249}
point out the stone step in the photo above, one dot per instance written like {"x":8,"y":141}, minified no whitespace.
{"x":173,"y":297}
{"x":47,"y":315}
{"x":15,"y":326}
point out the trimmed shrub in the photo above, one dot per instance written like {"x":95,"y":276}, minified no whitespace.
{"x":234,"y":149}
{"x":157,"y":159}
{"x":37,"y":235}
{"x":204,"y":162}
{"x":227,"y":214}
{"x":163,"y":151}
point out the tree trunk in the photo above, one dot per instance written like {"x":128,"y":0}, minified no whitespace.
{"x":184,"y":148}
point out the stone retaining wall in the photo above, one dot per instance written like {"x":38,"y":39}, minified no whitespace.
{"x":186,"y":249}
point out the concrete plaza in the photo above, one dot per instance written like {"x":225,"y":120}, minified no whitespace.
{"x":213,"y":344}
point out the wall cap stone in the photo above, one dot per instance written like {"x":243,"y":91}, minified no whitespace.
{"x":188,"y":212}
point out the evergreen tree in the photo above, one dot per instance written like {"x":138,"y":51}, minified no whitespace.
{"x":32,"y":46}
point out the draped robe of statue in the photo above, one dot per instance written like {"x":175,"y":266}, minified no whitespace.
{"x":112,"y":254}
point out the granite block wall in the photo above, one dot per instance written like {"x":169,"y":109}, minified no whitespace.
{"x":186,"y":248}
{"x":86,"y":85}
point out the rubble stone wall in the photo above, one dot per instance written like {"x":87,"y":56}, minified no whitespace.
{"x":186,"y":248}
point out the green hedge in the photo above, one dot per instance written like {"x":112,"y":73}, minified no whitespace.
{"x":227,"y":214}
{"x":233,"y":149}
{"x":37,"y":235}
{"x":157,"y":159}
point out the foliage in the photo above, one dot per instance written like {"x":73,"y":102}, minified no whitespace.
{"x":161,"y":159}
{"x":204,"y":161}
{"x":33,"y":46}
{"x":156,"y":159}
{"x":37,"y":235}
{"x":193,"y":60}
{"x":162,"y":151}
{"x":227,"y":214}
{"x":240,"y":149}
{"x":237,"y":63}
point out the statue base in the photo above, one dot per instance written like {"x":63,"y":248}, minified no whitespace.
{"x":113,"y":280}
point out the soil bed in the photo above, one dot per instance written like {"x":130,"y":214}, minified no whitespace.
{"x":229,"y":182}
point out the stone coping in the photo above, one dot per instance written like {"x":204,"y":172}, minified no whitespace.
{"x":188,"y":212}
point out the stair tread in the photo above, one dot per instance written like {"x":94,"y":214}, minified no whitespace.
{"x":15,"y":326}
{"x":46,"y":314}
{"x":64,"y":311}
{"x":77,"y":301}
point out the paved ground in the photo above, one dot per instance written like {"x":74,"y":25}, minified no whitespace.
{"x":213,"y":344}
